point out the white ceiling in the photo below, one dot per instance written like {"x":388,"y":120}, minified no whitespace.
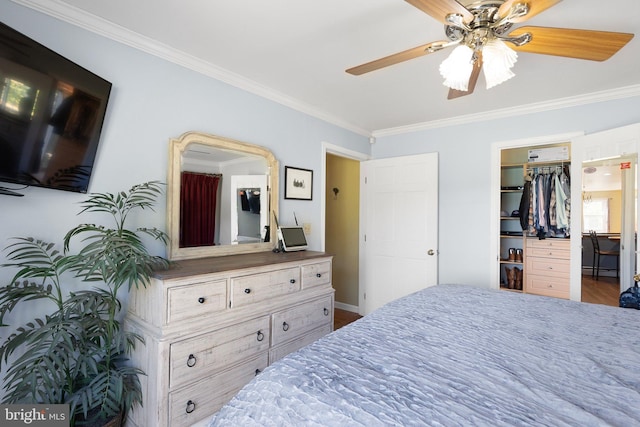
{"x":296,"y":51}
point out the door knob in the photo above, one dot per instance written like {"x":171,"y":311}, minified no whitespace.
{"x":431,"y":252}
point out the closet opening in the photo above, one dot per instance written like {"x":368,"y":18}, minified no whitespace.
{"x":535,"y":219}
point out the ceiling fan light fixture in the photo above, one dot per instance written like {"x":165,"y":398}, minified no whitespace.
{"x":457,"y":68}
{"x":498,"y":59}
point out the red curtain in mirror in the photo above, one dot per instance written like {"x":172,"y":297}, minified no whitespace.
{"x":198,"y":196}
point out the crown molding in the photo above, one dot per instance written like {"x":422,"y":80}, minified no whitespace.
{"x":574,"y":101}
{"x":77,"y":17}
{"x":80,"y":18}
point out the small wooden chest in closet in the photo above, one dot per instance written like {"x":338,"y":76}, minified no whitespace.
{"x":547,"y":267}
{"x":212,"y":324}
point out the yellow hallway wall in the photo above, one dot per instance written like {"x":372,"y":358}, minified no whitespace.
{"x":342,"y":223}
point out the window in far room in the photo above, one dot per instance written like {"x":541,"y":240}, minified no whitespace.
{"x":595,"y":213}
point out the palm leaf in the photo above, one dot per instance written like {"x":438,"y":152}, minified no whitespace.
{"x":77,"y":353}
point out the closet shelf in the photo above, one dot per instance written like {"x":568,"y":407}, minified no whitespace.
{"x":506,"y":261}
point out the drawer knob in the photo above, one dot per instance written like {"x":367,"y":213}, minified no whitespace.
{"x":191,"y":406}
{"x":292,"y":281}
{"x":201,"y":300}
{"x":247,"y":291}
{"x":260,"y":336}
{"x":191,"y":361}
{"x":318,"y":275}
{"x":285,"y":326}
{"x":257,"y":372}
{"x":326,"y":311}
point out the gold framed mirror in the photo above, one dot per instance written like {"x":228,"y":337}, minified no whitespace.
{"x":222,"y":196}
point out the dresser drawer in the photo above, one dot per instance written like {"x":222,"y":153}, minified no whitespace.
{"x":547,"y":267}
{"x":255,"y":288}
{"x":293,"y":322}
{"x":549,"y":252}
{"x":202,"y":399}
{"x":197,"y":357}
{"x":549,"y":286}
{"x":316,"y":274}
{"x":281,"y":351}
{"x":549,"y":243}
{"x":196,"y":300}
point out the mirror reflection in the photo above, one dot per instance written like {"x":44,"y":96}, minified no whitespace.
{"x":221,"y":196}
{"x":248,"y":217}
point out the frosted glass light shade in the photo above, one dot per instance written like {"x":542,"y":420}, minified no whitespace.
{"x":456,"y":69}
{"x":498,"y":59}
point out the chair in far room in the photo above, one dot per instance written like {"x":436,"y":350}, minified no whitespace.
{"x":598,"y":253}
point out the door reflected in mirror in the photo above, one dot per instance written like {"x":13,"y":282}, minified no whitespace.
{"x":249,"y":209}
{"x":221,"y":198}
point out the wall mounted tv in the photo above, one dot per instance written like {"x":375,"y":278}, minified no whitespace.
{"x":51,"y":115}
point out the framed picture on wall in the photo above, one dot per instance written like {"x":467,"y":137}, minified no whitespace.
{"x":297,"y":183}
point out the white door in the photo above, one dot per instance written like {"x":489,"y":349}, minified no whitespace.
{"x":400,"y":234}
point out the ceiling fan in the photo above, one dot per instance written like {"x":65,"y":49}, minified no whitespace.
{"x":482,"y":32}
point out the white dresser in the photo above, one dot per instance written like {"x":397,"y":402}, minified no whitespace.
{"x":210,"y":325}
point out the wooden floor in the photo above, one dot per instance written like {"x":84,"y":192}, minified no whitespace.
{"x":343,"y":317}
{"x":605,"y":291}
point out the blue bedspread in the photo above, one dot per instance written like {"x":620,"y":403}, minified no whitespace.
{"x":457,"y":355}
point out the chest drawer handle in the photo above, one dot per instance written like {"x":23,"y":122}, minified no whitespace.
{"x":260,"y":336}
{"x":191,"y":406}
{"x":285,"y":326}
{"x":326,"y":311}
{"x":191,"y":361}
{"x":247,"y":291}
{"x":201,"y":300}
{"x":292,"y":281}
{"x":318,"y":275}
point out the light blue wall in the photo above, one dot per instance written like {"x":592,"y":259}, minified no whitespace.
{"x":152,"y":101}
{"x":465,"y":174}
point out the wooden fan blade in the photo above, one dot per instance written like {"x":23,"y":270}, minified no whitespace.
{"x":473,"y":79}
{"x":535,"y":7}
{"x":439,"y":9}
{"x":580,"y":44}
{"x":397,"y":58}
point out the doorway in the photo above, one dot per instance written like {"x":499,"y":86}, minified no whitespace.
{"x":609,"y":214}
{"x":339,"y":211}
{"x":342,"y":225}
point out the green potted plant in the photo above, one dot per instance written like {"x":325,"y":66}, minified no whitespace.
{"x":76,"y":354}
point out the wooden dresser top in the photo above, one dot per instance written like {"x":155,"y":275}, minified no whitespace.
{"x":191,"y":267}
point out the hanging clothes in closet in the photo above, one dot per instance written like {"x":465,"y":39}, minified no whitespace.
{"x":545,"y":206}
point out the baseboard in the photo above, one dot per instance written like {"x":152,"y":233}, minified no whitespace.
{"x":347,"y":307}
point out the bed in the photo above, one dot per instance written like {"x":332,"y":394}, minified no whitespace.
{"x":457,"y":355}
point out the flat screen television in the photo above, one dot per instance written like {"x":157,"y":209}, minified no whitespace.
{"x":51,"y":115}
